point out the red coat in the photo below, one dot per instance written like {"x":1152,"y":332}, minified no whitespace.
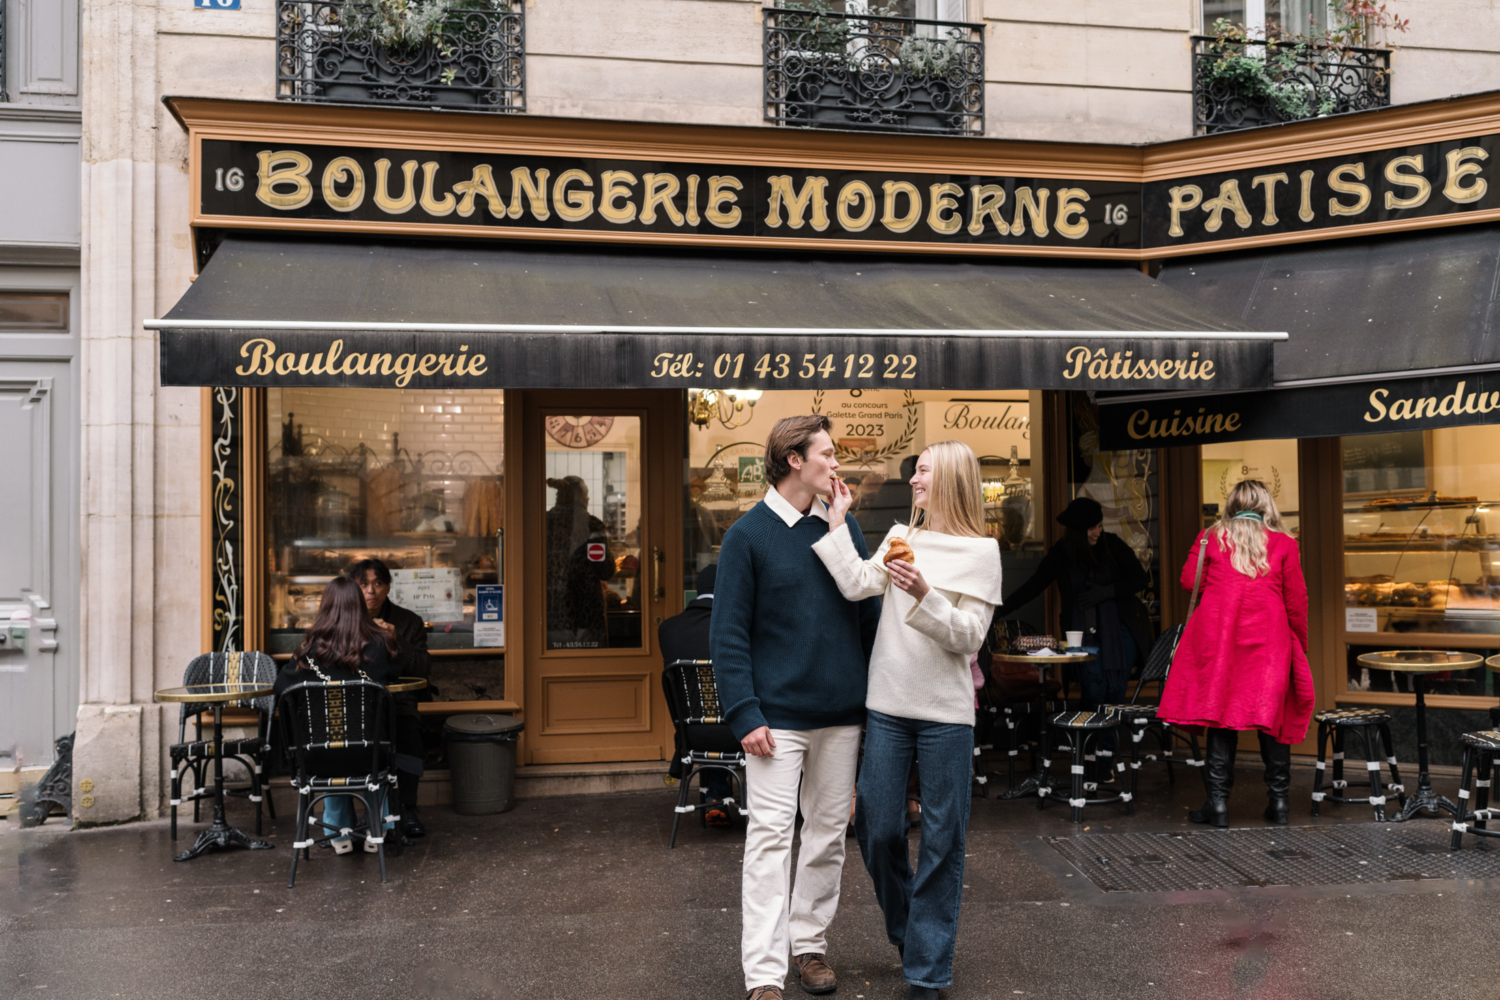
{"x":1242,"y":662}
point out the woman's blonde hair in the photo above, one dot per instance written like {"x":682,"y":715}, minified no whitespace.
{"x":1245,"y":537}
{"x":957,"y":496}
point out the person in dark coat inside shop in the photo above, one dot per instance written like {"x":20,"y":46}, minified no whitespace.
{"x":411,"y":660}
{"x":685,"y":637}
{"x":1098,"y":578}
{"x":576,"y":616}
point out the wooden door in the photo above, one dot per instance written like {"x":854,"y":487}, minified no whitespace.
{"x":602,"y":530}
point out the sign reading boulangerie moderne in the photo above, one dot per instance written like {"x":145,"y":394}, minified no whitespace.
{"x":481,"y":191}
{"x":1314,"y":411}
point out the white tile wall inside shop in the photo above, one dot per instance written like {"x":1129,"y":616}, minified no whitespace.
{"x":430,"y":422}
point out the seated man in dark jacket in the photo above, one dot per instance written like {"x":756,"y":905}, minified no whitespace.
{"x":685,"y":637}
{"x":374,"y":579}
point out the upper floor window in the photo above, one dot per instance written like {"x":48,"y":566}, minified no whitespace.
{"x":1291,"y":17}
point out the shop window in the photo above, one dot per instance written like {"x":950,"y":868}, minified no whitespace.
{"x":412,"y":477}
{"x":879,"y":434}
{"x":1422,"y":540}
{"x":1272,"y":462}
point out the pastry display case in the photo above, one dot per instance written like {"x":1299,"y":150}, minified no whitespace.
{"x":1423,"y":562}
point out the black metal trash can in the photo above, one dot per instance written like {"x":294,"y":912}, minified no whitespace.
{"x":482,"y":759}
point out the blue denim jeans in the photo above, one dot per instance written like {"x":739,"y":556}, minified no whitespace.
{"x":338,"y":814}
{"x":921,"y":909}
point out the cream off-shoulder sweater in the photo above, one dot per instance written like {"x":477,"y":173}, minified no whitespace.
{"x":920,"y":665}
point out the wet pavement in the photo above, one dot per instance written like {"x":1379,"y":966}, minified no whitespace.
{"x":579,"y":897}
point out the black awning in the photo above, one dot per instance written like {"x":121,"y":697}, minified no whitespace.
{"x":1361,"y":309}
{"x":425,"y":315}
{"x":1385,"y":335}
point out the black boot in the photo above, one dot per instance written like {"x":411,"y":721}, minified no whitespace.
{"x":1278,"y":761}
{"x":1218,"y":777}
{"x":921,"y":993}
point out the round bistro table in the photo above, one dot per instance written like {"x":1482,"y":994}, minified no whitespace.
{"x":1043,"y":664}
{"x":219,"y":833}
{"x":1419,"y":663}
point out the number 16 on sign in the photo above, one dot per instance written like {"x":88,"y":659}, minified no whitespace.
{"x":217,"y":4}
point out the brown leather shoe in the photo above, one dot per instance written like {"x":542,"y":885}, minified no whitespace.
{"x":814,"y":973}
{"x":764,"y":993}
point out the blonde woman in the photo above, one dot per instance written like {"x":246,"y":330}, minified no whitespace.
{"x":920,"y":701}
{"x":1242,"y":662}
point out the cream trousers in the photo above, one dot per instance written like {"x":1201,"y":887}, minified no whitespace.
{"x":781,"y":920}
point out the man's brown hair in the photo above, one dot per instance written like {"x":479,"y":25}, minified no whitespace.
{"x":790,"y":434}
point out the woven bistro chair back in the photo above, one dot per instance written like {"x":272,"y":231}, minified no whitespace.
{"x":251,"y":667}
{"x":192,"y":757}
{"x":336,"y":732}
{"x":708,"y":744}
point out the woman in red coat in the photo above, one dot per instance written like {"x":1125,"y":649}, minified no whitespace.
{"x":1242,"y":662}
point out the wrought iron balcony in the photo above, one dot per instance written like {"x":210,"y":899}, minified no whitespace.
{"x":1242,"y":84}
{"x":345,"y":51}
{"x":859,"y":71}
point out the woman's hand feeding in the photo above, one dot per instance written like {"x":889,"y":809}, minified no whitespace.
{"x":841,"y":498}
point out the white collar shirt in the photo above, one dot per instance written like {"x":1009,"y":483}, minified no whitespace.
{"x":789,"y":514}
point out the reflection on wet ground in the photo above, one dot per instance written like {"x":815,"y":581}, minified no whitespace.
{"x":579,"y":897}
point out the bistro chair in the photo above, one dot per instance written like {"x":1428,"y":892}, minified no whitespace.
{"x":707,"y":742}
{"x":196,"y":756}
{"x":336,"y":732}
{"x":1082,"y":731}
{"x":1138,"y":718}
{"x":1479,"y":749}
{"x":1374,"y":727}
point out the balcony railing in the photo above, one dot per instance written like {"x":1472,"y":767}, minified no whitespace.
{"x":343,"y":50}
{"x":857,"y":71}
{"x":1239,"y":84}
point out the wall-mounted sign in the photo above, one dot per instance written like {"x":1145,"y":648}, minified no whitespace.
{"x":536,"y":178}
{"x":216,"y":4}
{"x":1433,"y":181}
{"x":1375,"y":407}
{"x":474,"y":191}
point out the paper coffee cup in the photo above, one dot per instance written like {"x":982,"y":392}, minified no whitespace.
{"x":1075,"y":639}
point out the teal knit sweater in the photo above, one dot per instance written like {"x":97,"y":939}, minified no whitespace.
{"x":789,"y":651}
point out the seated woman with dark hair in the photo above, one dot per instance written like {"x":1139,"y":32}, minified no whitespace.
{"x":343,"y":644}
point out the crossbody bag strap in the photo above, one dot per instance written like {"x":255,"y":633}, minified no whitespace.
{"x":1197,"y":577}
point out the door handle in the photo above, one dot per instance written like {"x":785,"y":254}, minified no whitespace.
{"x":657,"y":558}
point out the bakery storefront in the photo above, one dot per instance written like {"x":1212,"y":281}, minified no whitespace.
{"x":530,"y":363}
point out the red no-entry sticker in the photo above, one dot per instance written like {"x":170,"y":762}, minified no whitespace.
{"x":596,"y":551}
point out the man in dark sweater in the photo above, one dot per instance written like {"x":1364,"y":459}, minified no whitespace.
{"x":791,"y":657}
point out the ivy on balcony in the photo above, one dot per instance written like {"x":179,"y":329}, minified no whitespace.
{"x":458,"y":54}
{"x":827,"y":69}
{"x":1242,"y":80}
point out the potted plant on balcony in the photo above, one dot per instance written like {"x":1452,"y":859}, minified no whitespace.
{"x":1244,"y":80}
{"x":872,"y":68}
{"x":454,"y":53}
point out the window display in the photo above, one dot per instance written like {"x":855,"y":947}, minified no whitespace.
{"x":879,"y":434}
{"x":1422,"y":532}
{"x":414,"y":478}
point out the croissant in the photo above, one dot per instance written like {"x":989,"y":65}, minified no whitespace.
{"x":899,"y":551}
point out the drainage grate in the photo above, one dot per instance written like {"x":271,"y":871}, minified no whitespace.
{"x":1331,"y":855}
